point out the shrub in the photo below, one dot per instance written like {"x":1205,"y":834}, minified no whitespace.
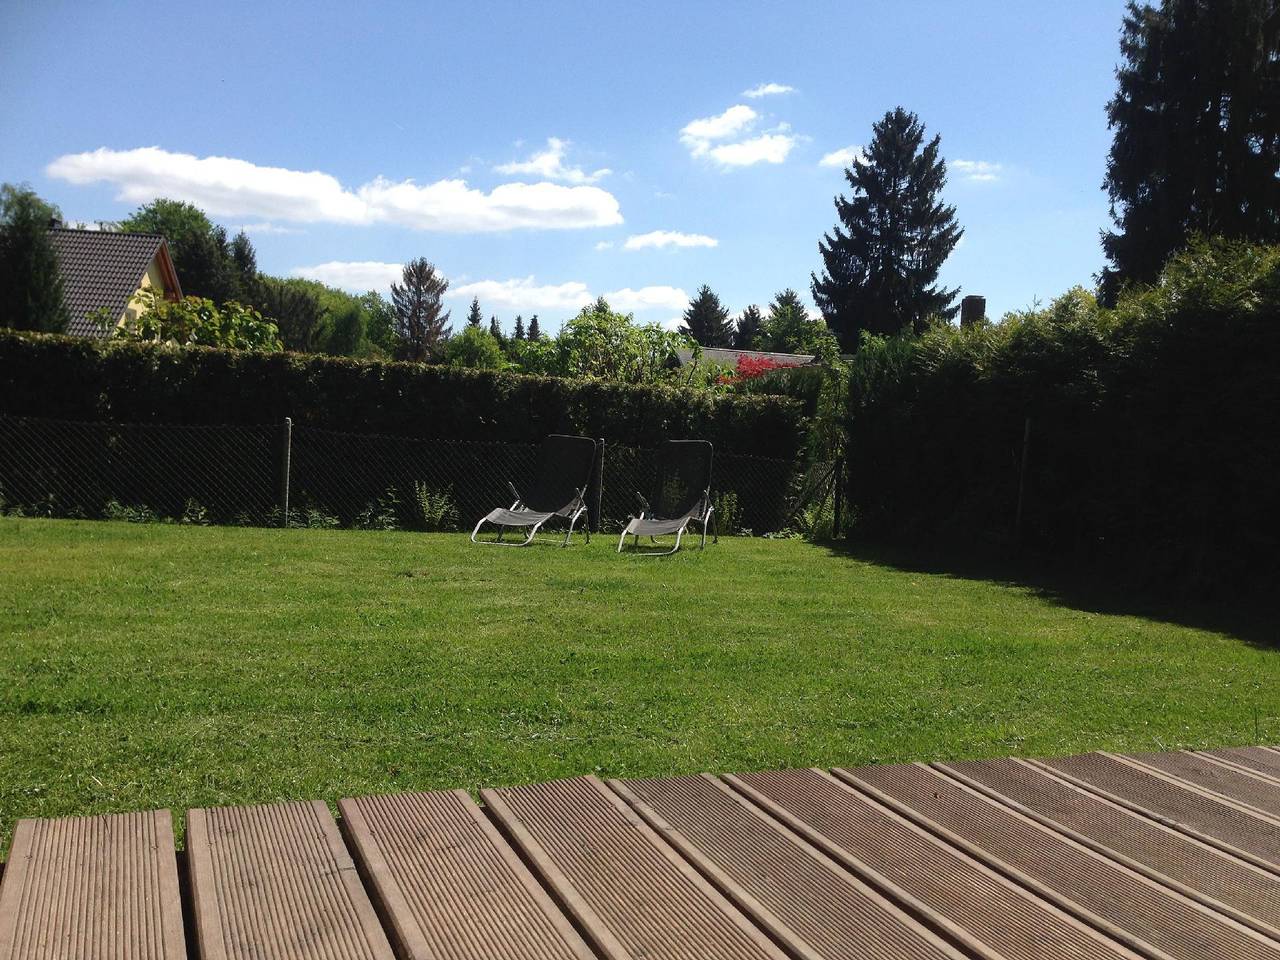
{"x":434,"y":510}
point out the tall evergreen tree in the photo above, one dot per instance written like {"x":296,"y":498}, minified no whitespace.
{"x":245,"y":260}
{"x":422,"y":323}
{"x":496,"y":330}
{"x":31,"y":295}
{"x":534,"y":332}
{"x":707,"y":320}
{"x":747,"y":330}
{"x":474,"y":318}
{"x":881,"y":261}
{"x":1196,"y":116}
{"x":518,"y":333}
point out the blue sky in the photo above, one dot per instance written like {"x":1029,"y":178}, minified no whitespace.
{"x":540,"y":154}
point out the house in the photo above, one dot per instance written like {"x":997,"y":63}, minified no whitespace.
{"x":729,"y":358}
{"x":105,"y":269}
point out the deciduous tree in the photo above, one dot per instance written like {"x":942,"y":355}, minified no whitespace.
{"x":31,"y":295}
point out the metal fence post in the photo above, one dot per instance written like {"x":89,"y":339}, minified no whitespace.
{"x":597,"y":487}
{"x":286,"y":449}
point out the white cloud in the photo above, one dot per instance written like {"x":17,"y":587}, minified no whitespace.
{"x":701,"y":138}
{"x":358,"y":276}
{"x":229,"y":187}
{"x":526,"y":295}
{"x":669,"y":238}
{"x":627,"y":300}
{"x":767,"y":90}
{"x":977,"y":171}
{"x":265,"y":228}
{"x":766,"y":148}
{"x":844,"y":157}
{"x":549,"y":164}
{"x":604,"y":245}
{"x":698,"y":134}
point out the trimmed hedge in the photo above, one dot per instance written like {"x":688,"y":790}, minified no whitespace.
{"x":74,"y":379}
{"x":1154,"y":445}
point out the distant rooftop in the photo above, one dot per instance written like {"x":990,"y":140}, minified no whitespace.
{"x":730,"y":357}
{"x":100,"y":268}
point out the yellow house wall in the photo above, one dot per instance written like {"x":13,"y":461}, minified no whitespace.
{"x":152,"y":278}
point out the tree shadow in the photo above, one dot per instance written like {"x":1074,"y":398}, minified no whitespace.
{"x":1251,"y":616}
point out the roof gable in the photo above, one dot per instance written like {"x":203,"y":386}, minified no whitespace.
{"x":101,"y":268}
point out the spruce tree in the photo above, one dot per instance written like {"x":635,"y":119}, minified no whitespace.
{"x":881,"y":261}
{"x":495,"y":330}
{"x":31,"y":295}
{"x":421,"y":320}
{"x":534,"y":333}
{"x":518,"y":333}
{"x":1196,"y":116}
{"x":707,"y":320}
{"x":245,"y":260}
{"x":747,"y":331}
{"x":474,"y":318}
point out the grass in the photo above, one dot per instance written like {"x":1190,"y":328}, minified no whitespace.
{"x":147,"y":666}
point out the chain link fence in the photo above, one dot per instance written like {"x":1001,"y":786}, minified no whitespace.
{"x":271,"y":475}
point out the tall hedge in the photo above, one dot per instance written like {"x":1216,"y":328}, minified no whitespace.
{"x":74,"y":379}
{"x":1154,"y":429}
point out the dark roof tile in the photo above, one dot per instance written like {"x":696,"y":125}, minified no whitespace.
{"x":100,"y":268}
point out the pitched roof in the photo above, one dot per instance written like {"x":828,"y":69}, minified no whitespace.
{"x":100,"y":268}
{"x":730,"y":357}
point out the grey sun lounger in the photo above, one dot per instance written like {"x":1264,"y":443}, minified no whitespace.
{"x":682,"y":497}
{"x":559,"y":490}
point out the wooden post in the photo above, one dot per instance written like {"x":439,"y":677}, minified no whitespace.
{"x":1022,"y":482}
{"x":286,"y":449}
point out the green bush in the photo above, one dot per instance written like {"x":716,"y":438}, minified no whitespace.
{"x":79,"y":379}
{"x":1151,"y":427}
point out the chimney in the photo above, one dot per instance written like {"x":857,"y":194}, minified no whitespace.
{"x":54,"y":223}
{"x":973,"y":310}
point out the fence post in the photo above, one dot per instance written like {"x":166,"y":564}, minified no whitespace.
{"x":597,"y":485}
{"x":286,"y":449}
{"x":1022,"y":483}
{"x":837,"y":507}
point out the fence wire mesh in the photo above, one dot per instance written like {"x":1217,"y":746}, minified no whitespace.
{"x":247,"y":474}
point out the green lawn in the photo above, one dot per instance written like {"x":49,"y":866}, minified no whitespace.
{"x":146,"y":666}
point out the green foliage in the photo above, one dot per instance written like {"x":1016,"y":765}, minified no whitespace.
{"x":76,"y":379}
{"x":602,"y":344}
{"x":1149,"y":424}
{"x":196,"y":322}
{"x":434,"y":509}
{"x":31,"y":295}
{"x":790,"y":329}
{"x":474,"y":317}
{"x":1196,"y":131}
{"x":747,"y":330}
{"x":727,"y":513}
{"x":422,"y":323}
{"x":208,"y":266}
{"x":475,"y":348}
{"x":707,"y":321}
{"x":881,"y":261}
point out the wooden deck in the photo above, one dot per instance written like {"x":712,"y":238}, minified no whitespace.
{"x":1171,"y":856}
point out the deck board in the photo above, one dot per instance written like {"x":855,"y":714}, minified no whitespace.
{"x":1133,"y":908}
{"x":274,"y":882}
{"x":1226,"y":825}
{"x":92,"y":888}
{"x":813,"y":904}
{"x":1253,"y":789}
{"x":635,"y":896}
{"x":1247,"y":892}
{"x":447,"y":884}
{"x":1002,"y":918}
{"x":1260,"y":759}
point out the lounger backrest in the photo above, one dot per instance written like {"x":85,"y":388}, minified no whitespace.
{"x":564,"y":468}
{"x":684,"y":475}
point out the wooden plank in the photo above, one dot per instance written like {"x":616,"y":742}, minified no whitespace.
{"x":1149,"y":917}
{"x":1258,"y":759}
{"x":275,"y":881}
{"x":1228,"y":826}
{"x":92,"y":888}
{"x":448,"y":885}
{"x":1252,"y":789}
{"x":950,"y":888}
{"x":633,"y":895}
{"x":806,"y":901}
{"x":1242,"y":890}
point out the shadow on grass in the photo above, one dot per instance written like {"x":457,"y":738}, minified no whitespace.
{"x":1252,"y":617}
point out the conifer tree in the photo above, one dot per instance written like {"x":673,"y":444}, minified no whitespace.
{"x":422,"y":323}
{"x":534,"y":332}
{"x":748,"y":328}
{"x":1196,"y":117}
{"x":474,"y":318}
{"x":707,"y":320}
{"x":495,"y":330}
{"x":518,"y":333}
{"x":31,"y":295}
{"x":881,"y":261}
